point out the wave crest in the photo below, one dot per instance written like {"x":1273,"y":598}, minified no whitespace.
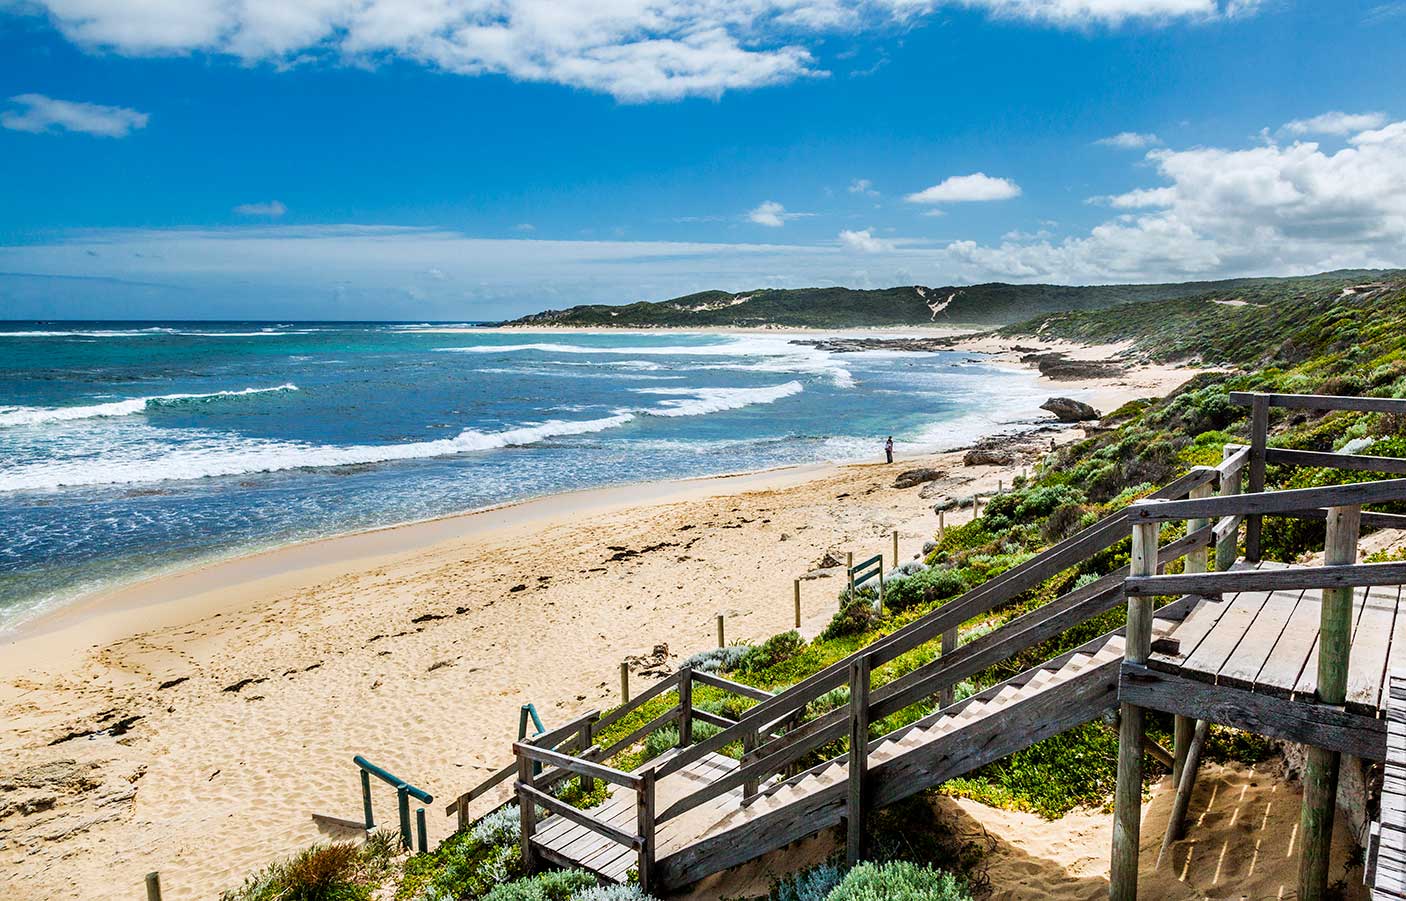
{"x":15,"y":416}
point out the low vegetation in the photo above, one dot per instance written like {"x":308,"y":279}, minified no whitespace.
{"x":1306,"y":336}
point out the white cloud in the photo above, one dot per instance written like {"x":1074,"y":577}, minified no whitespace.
{"x":864,"y":241}
{"x":772,"y":214}
{"x":863,"y":186}
{"x":1130,"y":140}
{"x":967,"y":188}
{"x":1265,"y":209}
{"x":272,"y":209}
{"x":524,"y":227}
{"x":635,"y":50}
{"x":41,"y":114}
{"x":1335,"y":123}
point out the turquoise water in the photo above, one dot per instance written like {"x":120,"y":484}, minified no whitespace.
{"x":128,"y":448}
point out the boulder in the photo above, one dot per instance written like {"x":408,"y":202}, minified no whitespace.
{"x":931,"y":490}
{"x":988,"y":456}
{"x":1066,"y":409}
{"x":910,"y":477}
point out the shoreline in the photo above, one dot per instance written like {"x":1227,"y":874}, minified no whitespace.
{"x":187,"y":704}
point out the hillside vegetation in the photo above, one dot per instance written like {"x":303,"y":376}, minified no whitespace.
{"x":991,"y":304}
{"x":1290,"y":338}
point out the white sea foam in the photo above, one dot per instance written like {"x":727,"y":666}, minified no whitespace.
{"x":14,"y":416}
{"x":83,"y":333}
{"x":701,"y":401}
{"x":214,"y":454}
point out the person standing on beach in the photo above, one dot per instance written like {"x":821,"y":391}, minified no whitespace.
{"x":888,"y":448}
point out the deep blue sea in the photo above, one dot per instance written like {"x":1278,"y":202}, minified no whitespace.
{"x":128,"y":448}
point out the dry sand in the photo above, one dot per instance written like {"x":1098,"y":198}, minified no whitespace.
{"x":229,"y":700}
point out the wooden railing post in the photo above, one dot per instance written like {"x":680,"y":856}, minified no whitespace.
{"x":1228,"y":548}
{"x":798,"y":603}
{"x":855,"y":813}
{"x":722,"y":635}
{"x":624,"y":681}
{"x":949,"y":644}
{"x":644,"y":823}
{"x":153,"y":887}
{"x":1127,"y":813}
{"x":1259,"y":440}
{"x":587,"y":733}
{"x":749,"y":745}
{"x":1320,"y":778}
{"x":1184,"y":727}
{"x":685,"y":706}
{"x":527,"y":811}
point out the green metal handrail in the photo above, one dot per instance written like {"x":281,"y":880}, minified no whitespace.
{"x":404,"y":792}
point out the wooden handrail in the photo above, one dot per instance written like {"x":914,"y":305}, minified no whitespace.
{"x":1356,"y":575}
{"x":639,"y":700}
{"x":1322,"y":402}
{"x":747,"y":691}
{"x":997,"y":590}
{"x":1268,"y":502}
{"x":552,"y":738}
{"x":577,"y":765}
{"x":1325,"y":460}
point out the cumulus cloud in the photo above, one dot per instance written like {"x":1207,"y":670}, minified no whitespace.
{"x":772,"y":214}
{"x":38,"y":113}
{"x":967,"y":188}
{"x":863,"y":186}
{"x":1266,"y":209}
{"x":864,"y":241}
{"x":1335,"y":123}
{"x":272,"y":209}
{"x":635,"y":50}
{"x":1130,"y":140}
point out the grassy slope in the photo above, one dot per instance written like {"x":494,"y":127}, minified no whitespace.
{"x":988,"y":304}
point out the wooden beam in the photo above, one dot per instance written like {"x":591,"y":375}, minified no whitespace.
{"x":1228,"y":527}
{"x":1320,"y":782}
{"x":1330,"y":727}
{"x":1301,"y":577}
{"x":855,"y":813}
{"x":737,"y":688}
{"x":527,"y":813}
{"x":685,"y":706}
{"x":1322,"y":402}
{"x":1358,"y":462}
{"x":1259,"y":441}
{"x":1293,"y":500}
{"x":644,"y":823}
{"x":577,"y":765}
{"x":1127,"y":802}
{"x":1186,"y":781}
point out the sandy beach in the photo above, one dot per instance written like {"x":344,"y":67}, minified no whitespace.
{"x":193,"y":723}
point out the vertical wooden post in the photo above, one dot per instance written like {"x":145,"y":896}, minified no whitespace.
{"x":976,"y":506}
{"x":527,"y":811}
{"x":588,"y":783}
{"x":1186,"y":781}
{"x":722,"y":638}
{"x":1000,"y":486}
{"x":685,"y":706}
{"x":153,"y":887}
{"x":749,"y":746}
{"x":624,"y":681}
{"x":644,"y":823}
{"x":1184,"y":727}
{"x":941,"y":524}
{"x":1127,"y":805}
{"x":1228,"y":548}
{"x":949,"y":644}
{"x":1320,"y":777}
{"x":858,"y":758}
{"x":422,"y":840}
{"x":798,"y":603}
{"x":402,"y":800}
{"x":895,"y":547}
{"x":1259,"y":439}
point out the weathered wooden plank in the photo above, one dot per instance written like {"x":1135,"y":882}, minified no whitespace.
{"x":1315,"y":724}
{"x":1352,"y":576}
{"x":714,"y":719}
{"x":1307,"y":685}
{"x":1241,"y":668}
{"x":577,"y":765}
{"x":1189,"y":634}
{"x":1230,"y":630}
{"x":1288,"y":657}
{"x":553,"y":737}
{"x":1358,"y":462}
{"x":737,"y":688}
{"x":1270,"y":502}
{"x":1323,"y":402}
{"x":1371,"y":642}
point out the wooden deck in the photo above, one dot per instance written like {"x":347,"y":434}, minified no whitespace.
{"x":569,"y":844}
{"x":1389,"y":880}
{"x":1259,"y":649}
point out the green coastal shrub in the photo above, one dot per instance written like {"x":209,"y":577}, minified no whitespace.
{"x":776,"y":649}
{"x":552,"y":885}
{"x":718,"y":660}
{"x":613,"y":893}
{"x":813,"y":884}
{"x":927,"y":586}
{"x":898,"y":880}
{"x":339,"y":871}
{"x":854,"y":618}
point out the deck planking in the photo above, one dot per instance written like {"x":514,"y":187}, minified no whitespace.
{"x":1389,"y":878}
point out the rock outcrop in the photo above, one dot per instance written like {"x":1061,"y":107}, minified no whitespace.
{"x":1066,"y":409}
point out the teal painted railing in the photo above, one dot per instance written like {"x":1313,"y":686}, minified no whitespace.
{"x":404,"y":792}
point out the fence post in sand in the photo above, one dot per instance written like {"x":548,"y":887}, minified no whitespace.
{"x":976,"y":506}
{"x":1000,"y":486}
{"x":424,"y":843}
{"x":624,"y":681}
{"x":153,"y":887}
{"x":798,"y":603}
{"x":1320,"y":773}
{"x":1127,"y":804}
{"x":722,"y":639}
{"x":895,"y":547}
{"x":941,"y":524}
{"x":402,"y":800}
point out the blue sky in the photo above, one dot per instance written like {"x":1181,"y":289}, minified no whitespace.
{"x":463,"y":159}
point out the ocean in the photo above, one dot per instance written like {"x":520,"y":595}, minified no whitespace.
{"x":132,"y":448}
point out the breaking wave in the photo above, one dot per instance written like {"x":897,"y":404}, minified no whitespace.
{"x":13,"y":416}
